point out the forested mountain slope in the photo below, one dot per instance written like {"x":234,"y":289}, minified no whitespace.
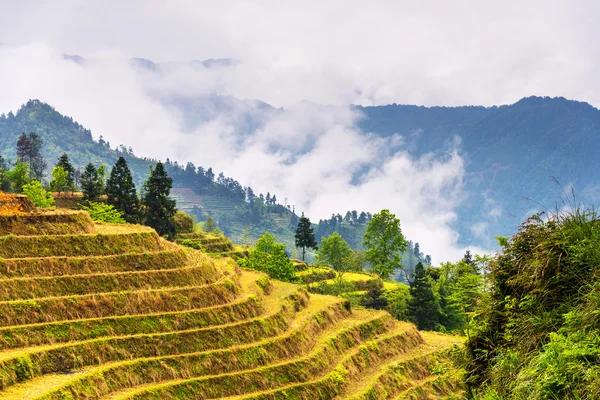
{"x":512,"y":153}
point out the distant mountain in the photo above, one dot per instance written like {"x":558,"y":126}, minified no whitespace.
{"x":513,"y":153}
{"x":147,"y":64}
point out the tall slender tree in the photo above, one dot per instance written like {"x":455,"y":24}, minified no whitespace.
{"x":4,"y":182}
{"x":423,"y":305}
{"x":121,"y":193}
{"x":92,"y":182}
{"x":305,"y":236}
{"x":65,"y":163}
{"x":159,"y":208}
{"x":29,"y":151}
{"x":24,"y":149}
{"x":37,"y":162}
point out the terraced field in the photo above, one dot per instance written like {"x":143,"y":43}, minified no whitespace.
{"x":115,"y":312}
{"x":213,"y":245}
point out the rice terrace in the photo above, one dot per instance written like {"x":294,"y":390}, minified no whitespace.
{"x":101,"y":311}
{"x":315,"y":200}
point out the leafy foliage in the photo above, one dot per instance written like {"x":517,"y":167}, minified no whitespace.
{"x":423,"y":306}
{"x":103,"y":212}
{"x":383,"y":241}
{"x":18,"y":176}
{"x":37,"y":194}
{"x":59,"y":182}
{"x":336,"y":252}
{"x":539,"y":335}
{"x":209,"y":225}
{"x":184,"y":223}
{"x":65,"y":163}
{"x":375,"y":296}
{"x":269,"y":256}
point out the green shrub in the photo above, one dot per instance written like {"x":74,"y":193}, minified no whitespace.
{"x":539,"y":335}
{"x":184,"y":223}
{"x":37,"y":194}
{"x":269,"y":256}
{"x":103,"y":212}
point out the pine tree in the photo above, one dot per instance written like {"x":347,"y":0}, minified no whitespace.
{"x":121,"y":193}
{"x":92,"y":183}
{"x":305,"y":236}
{"x":209,"y":225}
{"x":4,"y":182}
{"x":24,"y":148}
{"x":65,"y":163}
{"x":37,"y":162}
{"x":423,"y":306}
{"x":375,"y":296}
{"x":159,"y":208}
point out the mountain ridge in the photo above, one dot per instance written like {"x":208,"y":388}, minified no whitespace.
{"x":511,"y":152}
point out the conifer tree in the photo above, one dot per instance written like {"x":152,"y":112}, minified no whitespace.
{"x":66,"y":165}
{"x":4,"y":182}
{"x":24,"y":148}
{"x":423,"y":306}
{"x":159,"y":208}
{"x":29,"y":150}
{"x":305,"y":236}
{"x":37,"y":162}
{"x":121,"y":193}
{"x":375,"y":296}
{"x":209,"y":225}
{"x":92,"y":182}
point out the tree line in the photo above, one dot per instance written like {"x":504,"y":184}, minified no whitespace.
{"x":441,"y":298}
{"x":152,"y":207}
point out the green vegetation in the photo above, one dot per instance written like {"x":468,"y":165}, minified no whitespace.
{"x":38,"y":196}
{"x":120,"y":191}
{"x":305,"y":238}
{"x":336,"y":252}
{"x":538,"y":337}
{"x":18,"y":177}
{"x":59,"y":182}
{"x":103,"y":212}
{"x":423,"y":306}
{"x":65,"y":163}
{"x":184,"y":223}
{"x":159,"y":210}
{"x":384,"y":241}
{"x":92,"y":182}
{"x":269,"y":256}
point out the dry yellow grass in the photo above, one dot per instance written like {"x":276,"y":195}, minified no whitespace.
{"x":237,"y":334}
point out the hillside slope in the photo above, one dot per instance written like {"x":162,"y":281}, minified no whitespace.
{"x":512,"y":154}
{"x":118,"y":313}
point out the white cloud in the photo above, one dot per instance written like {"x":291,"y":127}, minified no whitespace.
{"x":432,"y":53}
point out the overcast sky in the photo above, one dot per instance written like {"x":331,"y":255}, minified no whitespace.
{"x":327,"y":52}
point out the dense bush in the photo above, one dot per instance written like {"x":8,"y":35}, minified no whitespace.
{"x":184,"y":223}
{"x":103,"y":212}
{"x":540,"y":335}
{"x":270,"y":257}
{"x":37,"y":194}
